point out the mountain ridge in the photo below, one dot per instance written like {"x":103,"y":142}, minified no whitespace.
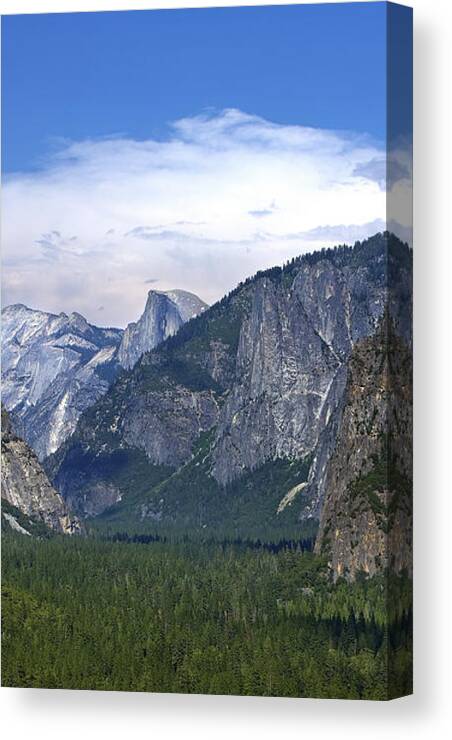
{"x":263,"y":371}
{"x":54,"y":366}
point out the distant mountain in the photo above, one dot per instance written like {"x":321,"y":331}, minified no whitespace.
{"x":188,"y":304}
{"x":164,"y":314}
{"x":56,"y":366}
{"x":230,"y":425}
{"x":29,"y":500}
{"x":53,"y":368}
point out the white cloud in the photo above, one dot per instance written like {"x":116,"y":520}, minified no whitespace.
{"x":102,"y":215}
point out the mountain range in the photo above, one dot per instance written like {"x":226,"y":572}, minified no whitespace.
{"x":279,"y":410}
{"x":56,"y":366}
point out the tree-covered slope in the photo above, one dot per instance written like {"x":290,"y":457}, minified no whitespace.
{"x":260,"y":504}
{"x":216,"y":619}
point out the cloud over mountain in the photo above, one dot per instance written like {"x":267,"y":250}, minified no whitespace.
{"x":102,"y":214}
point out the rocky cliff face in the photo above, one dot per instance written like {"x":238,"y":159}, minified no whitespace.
{"x":293,"y":352}
{"x":188,"y":304}
{"x":53,"y":368}
{"x":26,"y":487}
{"x":265,"y":370}
{"x":366,"y":519}
{"x":163,"y":315}
{"x":293,"y":349}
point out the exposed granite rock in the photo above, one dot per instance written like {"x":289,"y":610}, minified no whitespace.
{"x":14,"y":524}
{"x":219,"y":362}
{"x":147,"y":411}
{"x":188,"y":304}
{"x":292,"y":356}
{"x":165,"y":424}
{"x":366,"y":519}
{"x":286,"y":376}
{"x":265,"y":368}
{"x":163,"y":315}
{"x":26,"y":486}
{"x":53,"y":368}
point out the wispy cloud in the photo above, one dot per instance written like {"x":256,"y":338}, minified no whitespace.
{"x":183,"y":210}
{"x":262,"y":213}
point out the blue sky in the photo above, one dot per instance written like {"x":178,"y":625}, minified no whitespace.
{"x":188,"y":149}
{"x":94,"y":74}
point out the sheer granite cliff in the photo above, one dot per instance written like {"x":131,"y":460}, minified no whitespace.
{"x":264,"y":371}
{"x":163,"y":315}
{"x":25,"y":486}
{"x":366,"y":519}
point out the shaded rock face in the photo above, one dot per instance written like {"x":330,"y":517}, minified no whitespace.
{"x":265,"y":369}
{"x":145,"y":412}
{"x":53,"y":368}
{"x":366,"y":519}
{"x":163,"y":315}
{"x":26,"y":486}
{"x":165,"y":425}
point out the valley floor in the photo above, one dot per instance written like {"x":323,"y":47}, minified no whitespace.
{"x":198,"y":617}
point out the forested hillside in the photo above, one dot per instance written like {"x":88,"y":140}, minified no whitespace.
{"x":211,"y":618}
